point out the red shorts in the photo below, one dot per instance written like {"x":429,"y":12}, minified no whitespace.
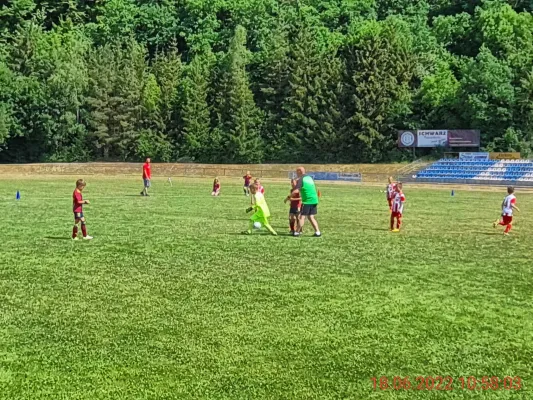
{"x":507,"y":219}
{"x":396,"y":214}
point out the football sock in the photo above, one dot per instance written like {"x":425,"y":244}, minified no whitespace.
{"x":74,"y":231}
{"x":391,"y":223}
{"x":291,"y":222}
{"x":84,"y":230}
{"x":508,"y":228}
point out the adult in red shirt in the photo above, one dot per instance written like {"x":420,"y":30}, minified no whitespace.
{"x":147,"y":176}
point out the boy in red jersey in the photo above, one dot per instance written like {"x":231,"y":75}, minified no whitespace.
{"x":216,"y":187}
{"x":397,"y":208}
{"x":147,"y":176}
{"x":77,"y":207}
{"x":247,"y":179}
{"x":296,"y":203}
{"x":391,"y":192}
{"x":508,"y":206}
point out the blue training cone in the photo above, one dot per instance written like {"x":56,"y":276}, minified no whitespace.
{"x":18,"y":195}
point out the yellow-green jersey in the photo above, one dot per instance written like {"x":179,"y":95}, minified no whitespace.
{"x":260,"y":205}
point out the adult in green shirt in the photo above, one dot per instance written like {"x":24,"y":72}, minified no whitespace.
{"x":309,"y":195}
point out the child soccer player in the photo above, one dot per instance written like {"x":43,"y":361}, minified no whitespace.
{"x":247,"y":179}
{"x":397,"y":208}
{"x":216,"y":187}
{"x":508,"y":205}
{"x":296,"y":203}
{"x":77,"y":205}
{"x":262,"y":213}
{"x":260,"y":187}
{"x":147,"y":176}
{"x":391,"y":192}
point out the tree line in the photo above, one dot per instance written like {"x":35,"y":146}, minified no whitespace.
{"x":246,"y":81}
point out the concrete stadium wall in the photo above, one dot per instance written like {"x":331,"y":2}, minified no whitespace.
{"x":370,"y":172}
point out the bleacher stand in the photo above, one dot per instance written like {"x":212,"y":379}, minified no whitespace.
{"x":474,"y":171}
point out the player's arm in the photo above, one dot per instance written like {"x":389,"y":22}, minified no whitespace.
{"x":513,"y":205}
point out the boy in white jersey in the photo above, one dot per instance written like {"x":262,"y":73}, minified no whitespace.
{"x":391,"y":192}
{"x":397,"y":208}
{"x":508,"y":205}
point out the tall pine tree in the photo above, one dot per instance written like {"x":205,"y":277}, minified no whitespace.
{"x":239,"y":118}
{"x":198,"y":142}
{"x":311,"y":109}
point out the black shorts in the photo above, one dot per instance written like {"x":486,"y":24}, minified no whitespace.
{"x":309,"y":209}
{"x":294,"y":211}
{"x":78,"y":215}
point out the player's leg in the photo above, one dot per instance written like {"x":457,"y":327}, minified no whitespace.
{"x":254,"y":218}
{"x":300,"y":221}
{"x":399,"y":221}
{"x":267,"y":225}
{"x":84,"y":229}
{"x":392,"y":221}
{"x":508,"y":224}
{"x":313,"y":210}
{"x":75,"y":229}
{"x":292,"y":222}
{"x":245,"y":189}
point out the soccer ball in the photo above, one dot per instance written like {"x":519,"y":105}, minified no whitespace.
{"x":257,"y":225}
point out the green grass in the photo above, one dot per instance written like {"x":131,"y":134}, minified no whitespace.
{"x":170,"y":301}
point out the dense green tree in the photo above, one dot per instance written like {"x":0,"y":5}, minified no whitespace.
{"x":199,"y":143}
{"x":311,"y":108}
{"x":259,"y":80}
{"x":379,"y":70}
{"x":239,"y":119}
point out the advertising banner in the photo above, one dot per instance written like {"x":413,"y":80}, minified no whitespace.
{"x":505,"y":156}
{"x":432,"y":138}
{"x":436,"y":138}
{"x":464,"y":138}
{"x":474,"y":156}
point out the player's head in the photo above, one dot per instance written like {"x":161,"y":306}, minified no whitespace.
{"x":293,"y":183}
{"x":216,"y":180}
{"x":391,"y":179}
{"x":399,"y":187}
{"x":148,"y":161}
{"x":257,"y":182}
{"x":253,"y":188}
{"x":510,"y":190}
{"x":247,"y":173}
{"x":300,"y":171}
{"x":80,"y":184}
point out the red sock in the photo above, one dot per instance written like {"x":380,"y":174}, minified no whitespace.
{"x":391,"y":223}
{"x":398,"y":223}
{"x":74,"y":231}
{"x":291,"y":222}
{"x":508,"y":228}
{"x":501,"y":223}
{"x":84,"y":230}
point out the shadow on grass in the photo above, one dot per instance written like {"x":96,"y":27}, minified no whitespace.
{"x":57,"y":238}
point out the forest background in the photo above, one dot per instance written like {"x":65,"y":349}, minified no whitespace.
{"x":249,"y":81}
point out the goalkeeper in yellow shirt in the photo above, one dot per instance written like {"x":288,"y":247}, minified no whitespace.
{"x":262,"y":213}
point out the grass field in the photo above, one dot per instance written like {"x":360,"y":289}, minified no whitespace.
{"x":170,"y":301}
